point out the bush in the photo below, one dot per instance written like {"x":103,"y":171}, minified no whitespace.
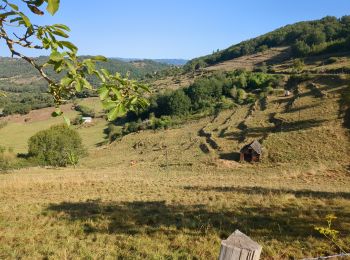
{"x":57,"y":146}
{"x":114,"y":132}
{"x":85,"y":111}
{"x":78,"y":120}
{"x":179,"y":104}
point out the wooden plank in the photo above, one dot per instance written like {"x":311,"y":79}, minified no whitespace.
{"x":239,"y":246}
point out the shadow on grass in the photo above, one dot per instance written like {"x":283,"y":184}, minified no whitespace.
{"x":344,"y":106}
{"x":271,"y":191}
{"x":234,"y":156}
{"x":279,"y":126}
{"x":154,"y":217}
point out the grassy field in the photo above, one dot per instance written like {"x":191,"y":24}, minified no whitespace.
{"x":133,"y":213}
{"x":19,"y":128}
{"x":174,"y":194}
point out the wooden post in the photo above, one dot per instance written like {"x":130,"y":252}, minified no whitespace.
{"x":238,"y":246}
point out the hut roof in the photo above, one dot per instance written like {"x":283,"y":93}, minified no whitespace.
{"x":255,"y":145}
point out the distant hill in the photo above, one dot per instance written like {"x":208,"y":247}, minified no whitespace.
{"x":10,"y":67}
{"x":26,"y":90}
{"x":327,"y":35}
{"x":175,"y":62}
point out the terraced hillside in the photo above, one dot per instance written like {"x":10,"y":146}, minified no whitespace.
{"x":306,"y":127}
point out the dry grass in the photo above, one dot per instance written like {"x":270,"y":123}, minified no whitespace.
{"x":133,"y":213}
{"x":249,"y":62}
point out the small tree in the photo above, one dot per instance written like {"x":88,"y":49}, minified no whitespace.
{"x":57,"y":146}
{"x":179,"y":103}
{"x":298,"y":65}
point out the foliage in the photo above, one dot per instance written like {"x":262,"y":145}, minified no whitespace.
{"x":85,"y":111}
{"x":119,"y":94}
{"x":206,"y":96}
{"x":57,"y":146}
{"x":329,"y":232}
{"x":178,"y":103}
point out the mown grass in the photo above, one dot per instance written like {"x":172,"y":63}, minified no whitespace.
{"x":133,"y":213}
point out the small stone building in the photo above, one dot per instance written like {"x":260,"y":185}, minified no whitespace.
{"x":251,"y":152}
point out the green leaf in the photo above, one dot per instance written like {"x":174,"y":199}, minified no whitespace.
{"x":16,"y":19}
{"x":58,"y":66}
{"x":62,"y":26}
{"x":69,"y":45}
{"x":66,"y":120}
{"x":56,"y":56}
{"x":66,"y":81}
{"x":117,"y":93}
{"x":52,"y":6}
{"x":78,"y":86}
{"x":37,"y":2}
{"x":108,"y":105}
{"x":116,"y":112}
{"x":134,"y":100}
{"x":35,"y":10}
{"x":7,"y":14}
{"x":57,"y":112}
{"x":89,"y":65}
{"x":105,"y":73}
{"x":13,"y":6}
{"x":86,"y":83}
{"x":61,"y":33}
{"x":25,"y":19}
{"x":100,"y":76}
{"x":103,"y":92}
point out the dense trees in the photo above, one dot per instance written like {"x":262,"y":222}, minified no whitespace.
{"x":206,"y":96}
{"x":178,"y":103}
{"x":23,"y":103}
{"x":307,"y":38}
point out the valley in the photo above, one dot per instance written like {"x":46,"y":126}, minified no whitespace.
{"x":166,"y":181}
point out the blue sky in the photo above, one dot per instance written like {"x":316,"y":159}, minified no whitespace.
{"x":178,"y":28}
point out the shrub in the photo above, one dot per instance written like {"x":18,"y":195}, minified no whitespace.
{"x":114,"y":132}
{"x":78,"y":120}
{"x":57,"y":146}
{"x":85,"y":111}
{"x":179,"y":104}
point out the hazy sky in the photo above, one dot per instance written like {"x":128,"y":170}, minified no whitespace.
{"x":178,"y":28}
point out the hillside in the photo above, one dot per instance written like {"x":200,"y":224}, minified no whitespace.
{"x":180,"y":191}
{"x":175,"y":62}
{"x":308,"y":38}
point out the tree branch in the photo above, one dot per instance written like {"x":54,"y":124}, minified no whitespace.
{"x":10,"y":43}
